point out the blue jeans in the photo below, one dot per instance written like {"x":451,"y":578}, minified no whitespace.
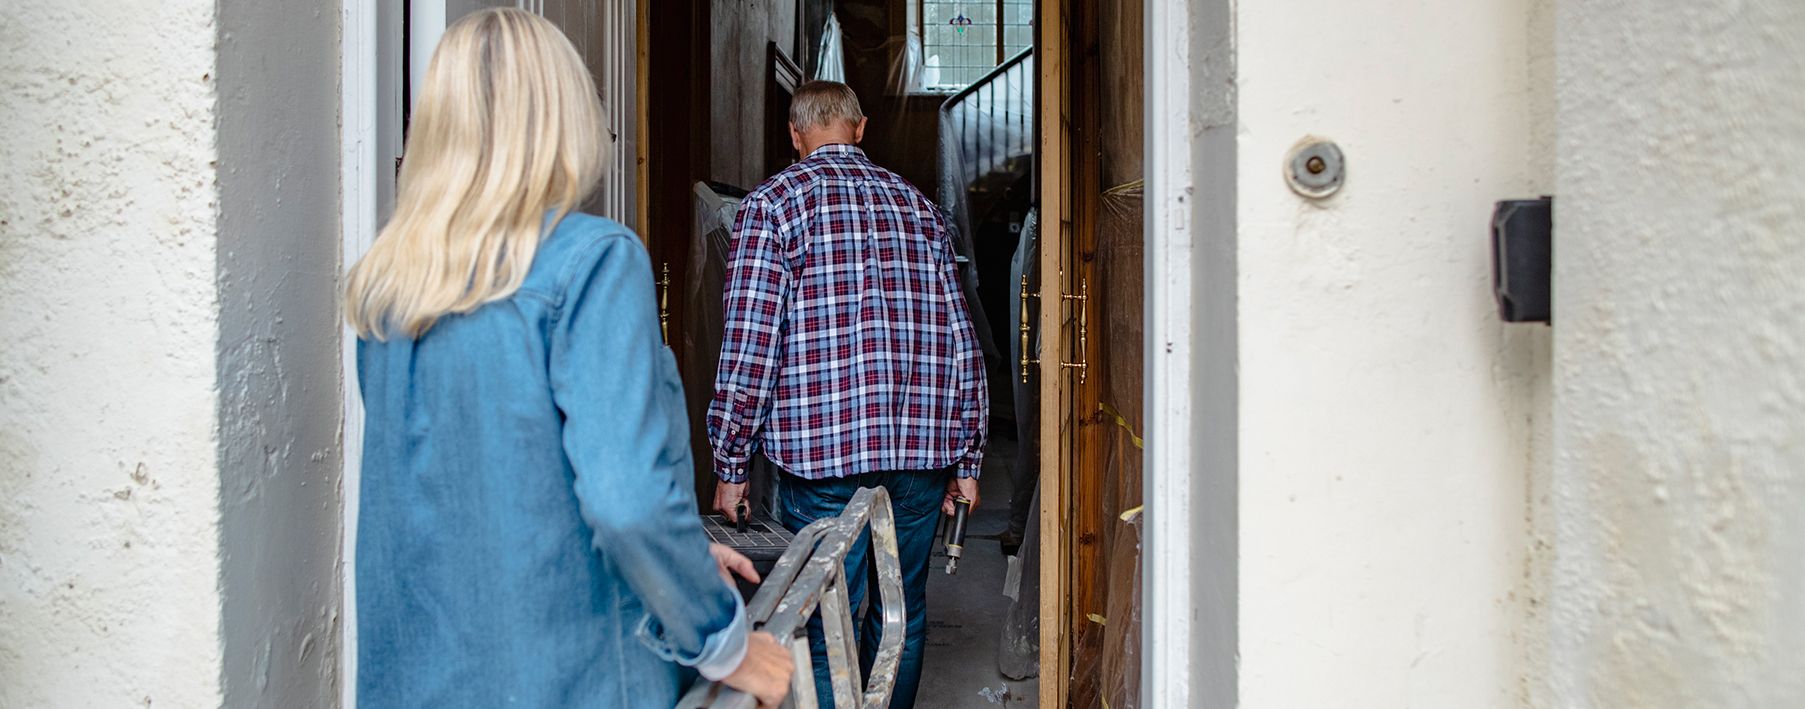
{"x":915,"y":497}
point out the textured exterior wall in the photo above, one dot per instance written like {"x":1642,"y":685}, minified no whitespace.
{"x":278,"y":358}
{"x":1386,"y":414}
{"x":170,"y":372}
{"x":1531,"y":597}
{"x":1680,"y":355}
{"x":109,"y":572}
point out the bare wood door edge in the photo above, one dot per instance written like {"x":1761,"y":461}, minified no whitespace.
{"x":1054,"y":157}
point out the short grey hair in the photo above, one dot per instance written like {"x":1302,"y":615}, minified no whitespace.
{"x":818,"y":103}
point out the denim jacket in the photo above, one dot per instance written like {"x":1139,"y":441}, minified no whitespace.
{"x":527,"y":534}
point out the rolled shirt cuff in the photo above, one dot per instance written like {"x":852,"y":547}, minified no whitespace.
{"x":721,"y":654}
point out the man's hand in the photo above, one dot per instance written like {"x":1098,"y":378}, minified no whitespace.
{"x":960,"y":487}
{"x":727,"y":496}
{"x":732,"y":562}
{"x":765,"y":673}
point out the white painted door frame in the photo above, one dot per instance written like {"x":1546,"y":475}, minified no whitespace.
{"x":1190,"y":574}
{"x":369,"y":142}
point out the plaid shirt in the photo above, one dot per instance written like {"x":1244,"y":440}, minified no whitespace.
{"x":848,"y":348}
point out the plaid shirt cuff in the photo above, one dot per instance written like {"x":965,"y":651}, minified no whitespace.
{"x":970,"y":467}
{"x":730,"y":474}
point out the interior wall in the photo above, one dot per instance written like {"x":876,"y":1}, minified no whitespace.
{"x":278,"y":359}
{"x":109,"y":562}
{"x":171,"y":366}
{"x":903,"y":131}
{"x":903,"y":134}
{"x":1386,"y":416}
{"x":1679,"y":360}
{"x":740,"y":67}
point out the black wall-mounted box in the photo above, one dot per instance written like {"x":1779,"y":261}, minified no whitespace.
{"x":1523,"y":259}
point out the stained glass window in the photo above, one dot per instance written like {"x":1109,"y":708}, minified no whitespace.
{"x":963,"y":41}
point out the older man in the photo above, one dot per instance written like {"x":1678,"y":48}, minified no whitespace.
{"x":849,"y":357}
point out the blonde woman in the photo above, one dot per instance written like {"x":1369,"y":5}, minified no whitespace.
{"x":528,"y":533}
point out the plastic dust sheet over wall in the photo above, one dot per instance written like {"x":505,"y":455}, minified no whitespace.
{"x":1106,"y":651}
{"x":1106,"y":654}
{"x":704,"y":279}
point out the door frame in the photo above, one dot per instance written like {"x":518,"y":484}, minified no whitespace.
{"x":1189,"y":570}
{"x":1189,"y":627}
{"x":370,"y":106}
{"x":1053,"y":158}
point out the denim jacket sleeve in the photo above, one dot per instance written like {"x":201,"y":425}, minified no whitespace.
{"x":628,"y":442}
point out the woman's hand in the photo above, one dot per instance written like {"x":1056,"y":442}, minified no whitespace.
{"x":765,"y":673}
{"x":732,"y":562}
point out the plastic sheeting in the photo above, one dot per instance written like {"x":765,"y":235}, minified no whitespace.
{"x":1106,"y":659}
{"x":830,"y":57}
{"x":986,"y":139}
{"x":986,"y":145}
{"x":905,"y":65}
{"x":1018,"y":655}
{"x":1024,"y":269}
{"x":704,"y":281}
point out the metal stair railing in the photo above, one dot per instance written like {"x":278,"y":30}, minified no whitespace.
{"x":810,"y":576}
{"x":991,"y":118}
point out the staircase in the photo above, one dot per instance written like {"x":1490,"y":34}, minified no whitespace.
{"x":987,"y":133}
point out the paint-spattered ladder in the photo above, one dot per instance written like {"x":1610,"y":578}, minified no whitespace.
{"x":811,"y":576}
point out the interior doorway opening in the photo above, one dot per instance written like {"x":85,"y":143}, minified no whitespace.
{"x":950,"y":116}
{"x":1034,"y":120}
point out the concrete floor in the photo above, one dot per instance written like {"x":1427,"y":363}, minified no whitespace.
{"x":966,"y":610}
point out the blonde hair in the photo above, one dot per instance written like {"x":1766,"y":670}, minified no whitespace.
{"x":508,"y":126}
{"x":817,"y":103}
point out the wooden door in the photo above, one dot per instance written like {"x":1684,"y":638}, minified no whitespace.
{"x":780,"y":85}
{"x":1091,"y":390}
{"x":606,"y":35}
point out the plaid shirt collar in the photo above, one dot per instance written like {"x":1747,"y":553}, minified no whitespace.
{"x":832,"y":150}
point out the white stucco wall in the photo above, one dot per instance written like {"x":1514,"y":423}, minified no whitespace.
{"x":169,"y":371}
{"x":1680,"y":355}
{"x":1386,"y":417}
{"x":109,"y":572}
